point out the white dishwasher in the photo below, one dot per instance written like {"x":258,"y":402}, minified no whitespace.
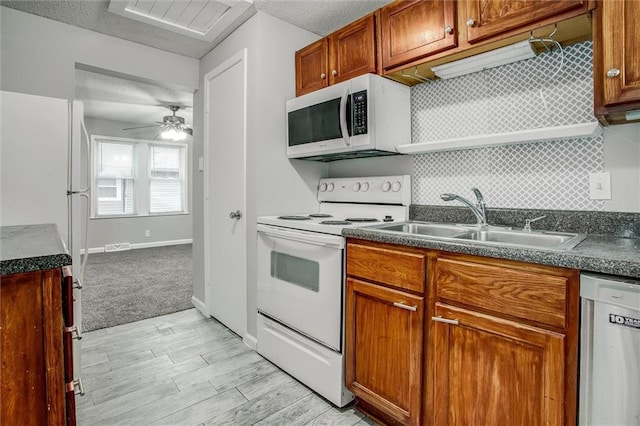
{"x":609,"y":351}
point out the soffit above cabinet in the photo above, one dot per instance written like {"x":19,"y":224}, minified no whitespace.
{"x":199,"y":19}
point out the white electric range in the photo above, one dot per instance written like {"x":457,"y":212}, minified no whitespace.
{"x":301,"y":277}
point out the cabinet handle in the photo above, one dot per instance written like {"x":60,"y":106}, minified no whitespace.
{"x":471,"y":22}
{"x":445,"y":320}
{"x":323,"y":76}
{"x":334,"y":72}
{"x":77,"y":284}
{"x":448,"y":29}
{"x":78,"y":384}
{"x":613,"y":72}
{"x":403,"y":306}
{"x":74,"y":330}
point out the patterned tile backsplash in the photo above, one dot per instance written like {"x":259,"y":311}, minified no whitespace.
{"x":525,"y":95}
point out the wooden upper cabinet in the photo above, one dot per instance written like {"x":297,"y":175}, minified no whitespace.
{"x":616,"y":59}
{"x":352,"y":50}
{"x":311,"y":67}
{"x":411,"y":30}
{"x":496,"y":372}
{"x":344,"y":54}
{"x":488,"y":18}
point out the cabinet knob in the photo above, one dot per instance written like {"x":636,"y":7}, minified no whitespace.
{"x":334,"y":72}
{"x":323,"y":76}
{"x":613,"y":72}
{"x":448,"y":29}
{"x":471,"y":22}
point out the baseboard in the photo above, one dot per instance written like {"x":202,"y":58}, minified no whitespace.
{"x":145,"y":245}
{"x":250,"y":341}
{"x":199,"y":305}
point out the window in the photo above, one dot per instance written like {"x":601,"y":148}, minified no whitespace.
{"x":166,"y":180}
{"x":114,"y":178}
{"x":138,"y":178}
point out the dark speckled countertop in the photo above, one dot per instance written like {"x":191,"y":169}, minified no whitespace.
{"x":614,"y":254}
{"x":27,"y":248}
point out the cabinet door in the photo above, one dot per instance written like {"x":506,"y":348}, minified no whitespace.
{"x":352,"y":50}
{"x":311,"y":67}
{"x":616,"y":54}
{"x":32,"y":369}
{"x":412,"y":30}
{"x":384,"y":337}
{"x":490,"y":371}
{"x":487,"y":18}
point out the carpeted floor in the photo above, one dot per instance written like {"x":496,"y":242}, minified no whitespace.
{"x":127,"y":286}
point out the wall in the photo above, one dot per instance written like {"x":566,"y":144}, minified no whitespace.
{"x":163,"y":229}
{"x":39,"y":57}
{"x":524,"y":95}
{"x":274,"y":184}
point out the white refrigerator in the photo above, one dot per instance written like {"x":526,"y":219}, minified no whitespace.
{"x":41,"y":153}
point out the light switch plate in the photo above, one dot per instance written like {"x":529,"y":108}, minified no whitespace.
{"x":200,"y":164}
{"x":600,"y":186}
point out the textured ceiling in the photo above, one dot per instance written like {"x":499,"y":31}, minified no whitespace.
{"x":318,"y":16}
{"x":120,"y":99}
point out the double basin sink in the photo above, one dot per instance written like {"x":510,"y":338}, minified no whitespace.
{"x":490,"y":235}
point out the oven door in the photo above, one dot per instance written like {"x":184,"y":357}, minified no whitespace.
{"x":300,"y":281}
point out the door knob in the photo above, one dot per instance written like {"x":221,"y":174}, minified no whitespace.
{"x":235,"y":215}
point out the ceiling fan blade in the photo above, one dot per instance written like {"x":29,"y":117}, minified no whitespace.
{"x":142,"y":127}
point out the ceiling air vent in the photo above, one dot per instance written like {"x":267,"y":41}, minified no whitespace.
{"x":200,"y":19}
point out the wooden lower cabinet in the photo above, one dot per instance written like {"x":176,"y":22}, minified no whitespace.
{"x":384,"y":360}
{"x":32,"y":359}
{"x":490,"y":371}
{"x":485,"y":342}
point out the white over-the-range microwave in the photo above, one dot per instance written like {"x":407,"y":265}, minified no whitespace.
{"x":366,"y":116}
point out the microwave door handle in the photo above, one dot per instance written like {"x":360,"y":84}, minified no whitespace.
{"x":343,"y":117}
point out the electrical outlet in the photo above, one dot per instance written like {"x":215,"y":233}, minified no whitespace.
{"x":147,"y":233}
{"x":600,"y":186}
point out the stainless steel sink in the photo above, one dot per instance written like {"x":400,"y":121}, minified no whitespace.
{"x":439,"y":230}
{"x":535,"y":239}
{"x":496,"y":236}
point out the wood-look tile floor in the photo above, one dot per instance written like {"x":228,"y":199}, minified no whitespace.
{"x":185,"y":369}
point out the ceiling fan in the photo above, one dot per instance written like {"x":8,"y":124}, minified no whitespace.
{"x":173,"y":125}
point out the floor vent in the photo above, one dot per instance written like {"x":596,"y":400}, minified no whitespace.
{"x":117,"y":247}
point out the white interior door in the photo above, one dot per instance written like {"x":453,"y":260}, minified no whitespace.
{"x":225,"y":189}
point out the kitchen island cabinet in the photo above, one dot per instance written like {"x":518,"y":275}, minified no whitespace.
{"x":616,"y":61}
{"x":36,"y":377}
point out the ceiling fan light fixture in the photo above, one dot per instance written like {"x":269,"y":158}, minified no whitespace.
{"x":173,"y":134}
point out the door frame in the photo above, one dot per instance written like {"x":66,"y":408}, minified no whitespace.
{"x":239,"y":57}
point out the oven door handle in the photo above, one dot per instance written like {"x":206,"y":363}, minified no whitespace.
{"x":334,"y":241}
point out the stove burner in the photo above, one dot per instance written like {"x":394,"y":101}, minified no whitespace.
{"x":361,"y":219}
{"x":294,"y":217}
{"x":320,"y":215}
{"x":335,"y":222}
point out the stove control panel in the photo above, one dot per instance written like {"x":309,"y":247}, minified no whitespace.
{"x":375,"y":189}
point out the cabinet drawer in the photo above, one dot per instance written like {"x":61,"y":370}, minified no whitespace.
{"x":398,"y":268}
{"x":530,"y":295}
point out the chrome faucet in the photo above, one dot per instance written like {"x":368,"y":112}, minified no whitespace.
{"x":478,"y":209}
